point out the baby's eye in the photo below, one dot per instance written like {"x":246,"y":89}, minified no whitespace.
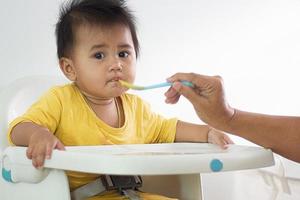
{"x":123,"y":54}
{"x":99,"y":55}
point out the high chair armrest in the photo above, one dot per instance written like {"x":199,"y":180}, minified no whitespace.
{"x":28,"y":183}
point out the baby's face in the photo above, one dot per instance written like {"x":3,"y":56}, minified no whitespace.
{"x":101,"y":56}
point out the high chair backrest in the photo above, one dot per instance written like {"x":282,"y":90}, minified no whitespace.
{"x":18,"y":96}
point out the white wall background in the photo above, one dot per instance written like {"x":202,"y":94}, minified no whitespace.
{"x":253,"y":44}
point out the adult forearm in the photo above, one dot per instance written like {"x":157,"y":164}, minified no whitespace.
{"x":280,"y":133}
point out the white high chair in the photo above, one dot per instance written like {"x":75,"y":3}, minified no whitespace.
{"x":169,"y":169}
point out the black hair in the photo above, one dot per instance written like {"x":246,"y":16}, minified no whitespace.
{"x":101,"y":12}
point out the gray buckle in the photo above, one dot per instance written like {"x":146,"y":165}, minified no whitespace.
{"x":121,"y":183}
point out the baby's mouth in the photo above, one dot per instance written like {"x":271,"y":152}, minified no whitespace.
{"x":114,"y":80}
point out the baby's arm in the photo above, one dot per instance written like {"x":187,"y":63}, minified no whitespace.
{"x":40,"y":141}
{"x":187,"y":132}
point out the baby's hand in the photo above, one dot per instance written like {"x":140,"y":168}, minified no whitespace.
{"x":219,"y":138}
{"x":40,"y":147}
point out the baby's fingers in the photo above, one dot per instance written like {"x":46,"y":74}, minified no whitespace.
{"x":38,"y":156}
{"x":60,"y":146}
{"x":49,"y":149}
{"x":56,"y":145}
{"x":38,"y":161}
{"x":228,"y":140}
{"x":221,"y":143}
{"x":29,"y":152}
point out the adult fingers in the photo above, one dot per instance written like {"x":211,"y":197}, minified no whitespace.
{"x":198,"y":80}
{"x":171,"y":93}
{"x":173,"y":100}
{"x":186,"y":91}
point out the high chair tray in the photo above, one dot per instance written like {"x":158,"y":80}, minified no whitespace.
{"x":151,"y":159}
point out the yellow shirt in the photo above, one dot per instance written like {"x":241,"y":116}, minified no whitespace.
{"x":64,"y":111}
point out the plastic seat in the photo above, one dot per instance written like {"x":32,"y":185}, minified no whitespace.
{"x":175,"y":174}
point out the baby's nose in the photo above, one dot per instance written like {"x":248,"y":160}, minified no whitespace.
{"x":116,"y":67}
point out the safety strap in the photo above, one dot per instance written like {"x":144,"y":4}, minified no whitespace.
{"x":132,"y":194}
{"x":88,"y":190}
{"x":96,"y":187}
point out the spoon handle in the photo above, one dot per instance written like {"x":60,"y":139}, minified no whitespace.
{"x":165,"y":84}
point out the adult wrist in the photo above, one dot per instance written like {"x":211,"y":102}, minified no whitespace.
{"x":224,"y":122}
{"x":228,"y":125}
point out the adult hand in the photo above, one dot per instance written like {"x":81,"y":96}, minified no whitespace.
{"x":207,"y":97}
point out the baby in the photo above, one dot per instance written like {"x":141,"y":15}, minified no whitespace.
{"x":97,"y":46}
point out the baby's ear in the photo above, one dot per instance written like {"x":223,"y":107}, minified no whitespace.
{"x":67,"y":67}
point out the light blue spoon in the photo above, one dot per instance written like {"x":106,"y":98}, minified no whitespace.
{"x":165,"y":84}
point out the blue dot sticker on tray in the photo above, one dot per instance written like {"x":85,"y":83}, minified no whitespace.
{"x":216,"y":165}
